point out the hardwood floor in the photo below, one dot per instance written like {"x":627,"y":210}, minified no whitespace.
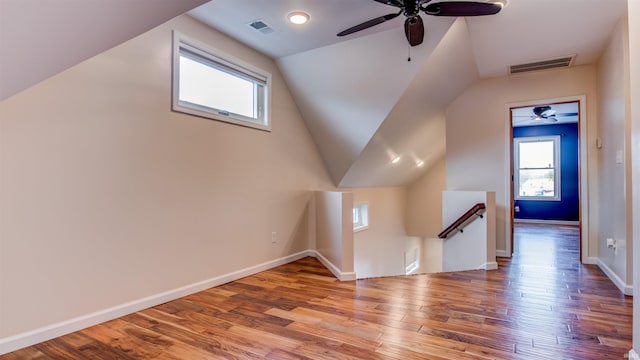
{"x":541,"y":304}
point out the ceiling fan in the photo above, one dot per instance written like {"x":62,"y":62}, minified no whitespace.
{"x":413,"y":25}
{"x":545,"y":113}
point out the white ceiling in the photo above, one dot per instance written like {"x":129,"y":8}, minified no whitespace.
{"x":328,"y":17}
{"x":525,"y":30}
{"x":362,"y":101}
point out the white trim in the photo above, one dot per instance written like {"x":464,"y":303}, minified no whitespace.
{"x":557,"y":179}
{"x":501,"y":253}
{"x":591,"y":261}
{"x":342,"y":276}
{"x":238,"y":68}
{"x":45,"y":333}
{"x":633,"y":355}
{"x":550,"y":222}
{"x":626,"y":289}
{"x":584,"y":168}
{"x":493,"y":265}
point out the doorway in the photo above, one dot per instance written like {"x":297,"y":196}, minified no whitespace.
{"x":545,"y":168}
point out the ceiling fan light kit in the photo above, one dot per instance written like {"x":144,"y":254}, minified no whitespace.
{"x":543,"y":114}
{"x":413,"y":24}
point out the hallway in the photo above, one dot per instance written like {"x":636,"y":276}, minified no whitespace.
{"x":562,"y":295}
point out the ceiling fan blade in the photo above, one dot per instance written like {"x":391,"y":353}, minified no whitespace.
{"x":567,"y":114}
{"x":395,"y":3}
{"x":368,"y":24}
{"x":461,"y":8}
{"x":414,"y":30}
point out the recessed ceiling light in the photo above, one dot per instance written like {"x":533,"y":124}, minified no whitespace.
{"x":395,"y":160}
{"x":298,"y":17}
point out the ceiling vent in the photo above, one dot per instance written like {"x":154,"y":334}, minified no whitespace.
{"x":261,"y":26}
{"x":561,"y":62}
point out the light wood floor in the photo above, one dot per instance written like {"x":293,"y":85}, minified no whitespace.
{"x":542,"y":304}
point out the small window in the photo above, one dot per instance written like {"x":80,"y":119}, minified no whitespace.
{"x":537,"y":168}
{"x":411,"y":261}
{"x":214,"y":85}
{"x":360,"y":217}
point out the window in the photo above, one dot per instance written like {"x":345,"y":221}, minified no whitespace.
{"x":411,"y":261}
{"x":537,"y":168}
{"x":360,"y":216}
{"x":214,"y":85}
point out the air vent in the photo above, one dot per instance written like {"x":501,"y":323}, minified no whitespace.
{"x":560,"y":62}
{"x":261,"y":26}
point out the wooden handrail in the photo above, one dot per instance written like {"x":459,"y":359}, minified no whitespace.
{"x":462,"y":221}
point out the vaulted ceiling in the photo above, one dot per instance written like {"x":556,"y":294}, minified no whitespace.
{"x":365,"y":104}
{"x":39,"y":39}
{"x":362,"y":101}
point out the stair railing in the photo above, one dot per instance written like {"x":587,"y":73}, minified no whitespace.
{"x":475,"y":212}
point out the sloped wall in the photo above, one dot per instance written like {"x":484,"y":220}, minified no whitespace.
{"x":109,"y":197}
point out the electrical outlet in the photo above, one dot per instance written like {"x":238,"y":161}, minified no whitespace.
{"x":274,"y":237}
{"x":611,"y":244}
{"x":516,"y":209}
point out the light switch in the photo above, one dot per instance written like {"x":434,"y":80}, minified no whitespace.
{"x":619,"y":157}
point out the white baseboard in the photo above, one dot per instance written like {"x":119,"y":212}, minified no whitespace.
{"x":626,"y":289}
{"x":15,"y":342}
{"x":490,"y":266}
{"x":591,"y":261}
{"x":501,"y":253}
{"x":633,"y":355}
{"x":342,"y":276}
{"x":549,"y":222}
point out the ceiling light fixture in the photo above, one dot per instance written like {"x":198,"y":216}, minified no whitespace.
{"x":502,"y":3}
{"x":395,"y":160}
{"x":420,"y":163}
{"x":298,"y":17}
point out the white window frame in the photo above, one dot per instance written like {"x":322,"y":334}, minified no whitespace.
{"x":557,"y":166}
{"x":220,"y":61}
{"x":360,"y":216}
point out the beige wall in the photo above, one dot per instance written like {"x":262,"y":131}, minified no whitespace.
{"x":614,"y":178}
{"x":477,"y":131}
{"x":334,"y":226}
{"x":474,"y":247}
{"x":108,"y":196}
{"x":380,"y":249}
{"x":424,"y":202}
{"x":634,"y":105}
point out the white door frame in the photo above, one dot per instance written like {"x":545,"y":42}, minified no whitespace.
{"x":584,"y":173}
